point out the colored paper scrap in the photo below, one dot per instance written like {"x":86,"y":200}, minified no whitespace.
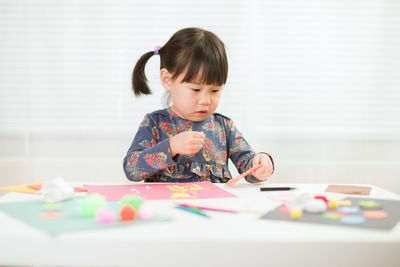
{"x":349,"y":189}
{"x":76,"y":188}
{"x":25,"y":188}
{"x":195,"y":190}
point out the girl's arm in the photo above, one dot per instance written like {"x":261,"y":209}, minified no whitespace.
{"x":244,"y":158}
{"x":147,"y":155}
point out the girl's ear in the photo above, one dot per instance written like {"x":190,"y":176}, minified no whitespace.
{"x":166,"y":79}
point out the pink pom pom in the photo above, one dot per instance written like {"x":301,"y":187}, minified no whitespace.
{"x":105,"y":216}
{"x":146,"y":212}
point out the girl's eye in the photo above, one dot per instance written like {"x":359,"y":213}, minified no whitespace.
{"x":215,"y":91}
{"x":196,"y":90}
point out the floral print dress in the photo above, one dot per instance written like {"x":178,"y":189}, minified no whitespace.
{"x":149,"y":157}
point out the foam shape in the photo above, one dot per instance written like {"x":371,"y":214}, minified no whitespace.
{"x":284,"y":209}
{"x":133,"y":200}
{"x":296,"y":214}
{"x":91,"y":203}
{"x":344,"y":203}
{"x":349,"y":209}
{"x":315,"y":206}
{"x":333,"y":204}
{"x":50,"y":215}
{"x":339,"y":213}
{"x":146,"y":212}
{"x":332,"y":215}
{"x":375,"y":214}
{"x":52,"y":206}
{"x":369,"y":205}
{"x":352,"y":219}
{"x":105,"y":216}
{"x":127,"y":213}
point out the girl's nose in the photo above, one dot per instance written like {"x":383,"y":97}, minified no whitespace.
{"x":205,"y":99}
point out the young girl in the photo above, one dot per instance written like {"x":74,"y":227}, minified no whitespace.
{"x":188,"y":142}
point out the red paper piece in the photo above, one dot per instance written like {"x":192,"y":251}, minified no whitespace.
{"x":36,"y":187}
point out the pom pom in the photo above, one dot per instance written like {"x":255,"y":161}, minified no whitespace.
{"x":91,"y":203}
{"x":127,"y":213}
{"x":146,"y":212}
{"x":105,"y":216}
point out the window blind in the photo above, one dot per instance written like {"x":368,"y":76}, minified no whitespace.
{"x":296,"y":67}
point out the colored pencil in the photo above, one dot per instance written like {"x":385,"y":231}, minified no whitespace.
{"x":207,"y":208}
{"x":192,"y":210}
{"x":219,"y":210}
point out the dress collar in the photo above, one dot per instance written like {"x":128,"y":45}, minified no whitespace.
{"x":174,"y":115}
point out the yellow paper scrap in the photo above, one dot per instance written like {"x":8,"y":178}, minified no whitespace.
{"x":22,"y":188}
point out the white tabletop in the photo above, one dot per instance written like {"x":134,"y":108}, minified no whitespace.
{"x":222,"y":240}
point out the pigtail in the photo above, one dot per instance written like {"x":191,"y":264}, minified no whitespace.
{"x":139,"y":80}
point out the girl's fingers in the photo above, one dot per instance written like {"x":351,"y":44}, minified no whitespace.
{"x":258,"y":170}
{"x":256,"y":161}
{"x":198,"y":135}
{"x":261,"y":170}
{"x":197,"y":141}
{"x":262,"y":166}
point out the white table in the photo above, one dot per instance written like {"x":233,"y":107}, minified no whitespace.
{"x":191,"y":240}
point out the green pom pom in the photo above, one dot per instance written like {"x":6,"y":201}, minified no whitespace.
{"x":91,"y":204}
{"x":133,"y":200}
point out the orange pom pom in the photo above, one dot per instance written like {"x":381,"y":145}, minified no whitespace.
{"x":127,"y":213}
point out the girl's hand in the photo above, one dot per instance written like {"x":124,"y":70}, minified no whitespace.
{"x":186,"y":143}
{"x":265,"y":167}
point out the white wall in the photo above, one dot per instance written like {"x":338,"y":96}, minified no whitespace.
{"x":315,"y":83}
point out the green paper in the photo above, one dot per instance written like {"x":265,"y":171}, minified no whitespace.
{"x":30,"y":212}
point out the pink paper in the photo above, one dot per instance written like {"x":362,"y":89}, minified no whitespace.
{"x":160,"y":191}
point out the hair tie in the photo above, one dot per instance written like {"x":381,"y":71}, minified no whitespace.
{"x":156,"y":50}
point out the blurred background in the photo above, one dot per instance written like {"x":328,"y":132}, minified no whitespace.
{"x":314,"y":83}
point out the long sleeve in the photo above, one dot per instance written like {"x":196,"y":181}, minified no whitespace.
{"x":147,"y":155}
{"x":239,"y":151}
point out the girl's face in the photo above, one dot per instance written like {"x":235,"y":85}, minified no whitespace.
{"x":192,"y":101}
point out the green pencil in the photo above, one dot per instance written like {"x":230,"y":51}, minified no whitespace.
{"x":193,"y":210}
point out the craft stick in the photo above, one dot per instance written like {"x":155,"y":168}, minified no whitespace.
{"x":240,"y":176}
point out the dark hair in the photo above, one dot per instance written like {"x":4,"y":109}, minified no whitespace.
{"x":193,"y":50}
